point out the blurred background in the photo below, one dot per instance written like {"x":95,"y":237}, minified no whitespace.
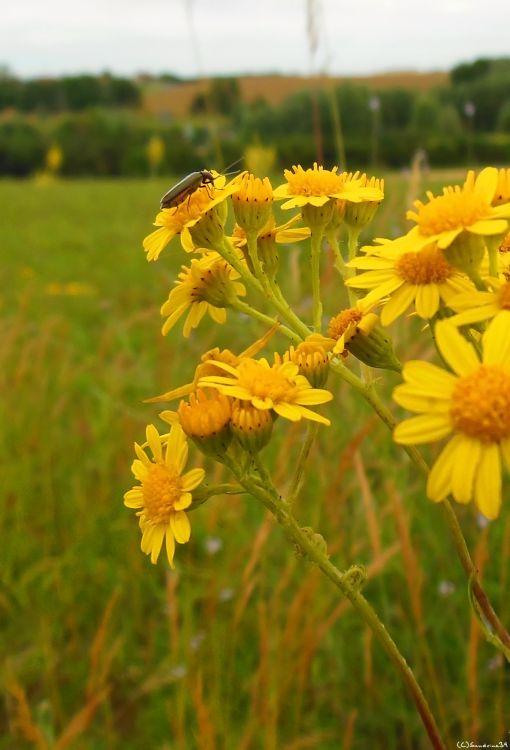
{"x":102,"y":108}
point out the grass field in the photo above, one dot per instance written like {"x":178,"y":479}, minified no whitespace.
{"x":244,"y":647}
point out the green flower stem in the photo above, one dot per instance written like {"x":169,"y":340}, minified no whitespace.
{"x":206,"y":491}
{"x":290,"y":315}
{"x":271,"y":292}
{"x":368,"y":392}
{"x":315,"y":263}
{"x":227,"y":251}
{"x":339,"y":261}
{"x":251,"y":238}
{"x":246,"y":309}
{"x":348,"y":584}
{"x":478,"y":281}
{"x":352,"y":249}
{"x":493,"y":250}
{"x":297,"y":481}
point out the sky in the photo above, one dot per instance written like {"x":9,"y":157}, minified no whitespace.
{"x":193,"y":38}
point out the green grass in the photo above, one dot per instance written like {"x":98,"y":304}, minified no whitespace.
{"x":245,"y":646}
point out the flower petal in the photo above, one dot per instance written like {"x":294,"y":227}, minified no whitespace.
{"x":464,"y":468}
{"x":427,"y":300}
{"x":170,"y":547}
{"x":192,"y":479}
{"x":180,"y":526}
{"x":456,"y":351}
{"x":496,"y":341}
{"x":440,"y":477}
{"x":426,"y":428}
{"x":488,"y":481}
{"x":398,"y":303}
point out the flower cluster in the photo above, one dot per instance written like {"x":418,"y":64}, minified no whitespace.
{"x":452,"y":270}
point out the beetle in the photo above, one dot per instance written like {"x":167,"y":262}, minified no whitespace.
{"x":186,"y":187}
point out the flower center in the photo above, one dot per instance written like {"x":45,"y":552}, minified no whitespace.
{"x":161,"y":488}
{"x":341,"y":322}
{"x":266,"y":383}
{"x":456,"y":208}
{"x":428,"y":266}
{"x":316,"y":181}
{"x":504,"y":296}
{"x":481,"y":404}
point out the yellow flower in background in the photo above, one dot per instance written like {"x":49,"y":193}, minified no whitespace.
{"x":155,"y":151}
{"x":203,"y":204}
{"x":259,"y":159}
{"x":465,"y":210}
{"x":476,"y":306}
{"x":208,"y":285}
{"x":279,"y":387}
{"x":398,"y":278}
{"x":473,"y":403}
{"x":54,"y":159}
{"x":164,"y":492}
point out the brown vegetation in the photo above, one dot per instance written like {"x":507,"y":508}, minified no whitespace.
{"x":175,"y":99}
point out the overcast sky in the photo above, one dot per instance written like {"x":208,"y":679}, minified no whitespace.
{"x":197,"y":37}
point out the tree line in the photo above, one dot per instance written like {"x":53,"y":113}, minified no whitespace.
{"x":97,"y":124}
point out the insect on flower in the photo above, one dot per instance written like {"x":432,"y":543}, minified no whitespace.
{"x":185,"y":187}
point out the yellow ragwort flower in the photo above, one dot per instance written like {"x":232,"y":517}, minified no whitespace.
{"x":208,"y":366}
{"x":502,"y":194}
{"x":473,"y":403}
{"x":465,"y":213}
{"x":349,"y":323}
{"x":208,"y":285}
{"x":251,"y":427}
{"x":398,"y":278}
{"x":475,"y":306}
{"x":317,"y":186}
{"x":164,"y":492}
{"x":312,"y":358}
{"x":204,"y":205}
{"x":358,"y":214}
{"x":252,"y":201}
{"x":268,"y":237}
{"x":205,"y":418}
{"x":279,"y":387}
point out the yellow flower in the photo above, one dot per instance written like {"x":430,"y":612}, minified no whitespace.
{"x":252,"y":427}
{"x":208,"y":285}
{"x":278,"y":387}
{"x":400,"y":277}
{"x":350,"y":322}
{"x":204,"y":205}
{"x":208,"y":366}
{"x":316,"y":186}
{"x":502,"y":194}
{"x":475,"y":306}
{"x":252,"y":201}
{"x":312,"y":358}
{"x":358,"y":214}
{"x":164,"y":492}
{"x":205,"y":419}
{"x":462,"y":213}
{"x":473,"y":403}
{"x":268,"y":237}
